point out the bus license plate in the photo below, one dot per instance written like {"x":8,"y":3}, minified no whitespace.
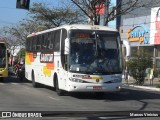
{"x":97,"y":87}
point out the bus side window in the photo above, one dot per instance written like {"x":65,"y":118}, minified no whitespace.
{"x":64,"y":36}
{"x":44,"y":40}
{"x":50,"y":41}
{"x":33,"y":43}
{"x":57,"y":40}
{"x":38,"y":43}
{"x":30,"y":43}
{"x":27,"y":44}
{"x":63,"y":56}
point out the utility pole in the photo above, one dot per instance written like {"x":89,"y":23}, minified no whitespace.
{"x":106,"y":12}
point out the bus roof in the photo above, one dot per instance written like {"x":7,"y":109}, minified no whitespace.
{"x":76,"y":26}
{"x":2,"y":42}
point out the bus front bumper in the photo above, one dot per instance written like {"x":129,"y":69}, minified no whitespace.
{"x":82,"y":87}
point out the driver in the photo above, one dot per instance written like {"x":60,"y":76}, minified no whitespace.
{"x":77,"y":59}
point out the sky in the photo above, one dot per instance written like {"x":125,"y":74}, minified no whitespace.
{"x":10,"y":15}
{"x":112,"y":23}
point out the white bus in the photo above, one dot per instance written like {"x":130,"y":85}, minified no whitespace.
{"x":75,"y":58}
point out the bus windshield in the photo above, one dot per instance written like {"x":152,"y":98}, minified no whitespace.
{"x":95,"y":52}
{"x":2,"y":55}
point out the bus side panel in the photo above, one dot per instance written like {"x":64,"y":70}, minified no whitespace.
{"x":45,"y":67}
{"x":29,"y":59}
{"x":59,"y":70}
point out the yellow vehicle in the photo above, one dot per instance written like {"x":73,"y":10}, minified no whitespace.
{"x":3,"y":61}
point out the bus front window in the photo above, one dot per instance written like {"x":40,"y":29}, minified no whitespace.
{"x":98,"y":53}
{"x":82,"y":53}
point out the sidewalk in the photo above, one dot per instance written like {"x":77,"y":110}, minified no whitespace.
{"x":148,"y":85}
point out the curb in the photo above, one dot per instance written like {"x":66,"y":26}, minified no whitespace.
{"x":145,"y":87}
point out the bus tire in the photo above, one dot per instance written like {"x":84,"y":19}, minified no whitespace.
{"x":34,"y":84}
{"x":59,"y":91}
{"x":54,"y":82}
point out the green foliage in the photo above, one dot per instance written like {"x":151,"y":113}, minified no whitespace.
{"x":42,"y":16}
{"x":21,"y":53}
{"x":158,"y":86}
{"x":138,"y":65}
{"x":157,"y":73}
{"x":55,"y":16}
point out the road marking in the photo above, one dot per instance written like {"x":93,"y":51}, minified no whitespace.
{"x":27,"y":84}
{"x":26,"y":87}
{"x":146,"y":88}
{"x":2,"y":83}
{"x":15,"y":83}
{"x":53,"y":98}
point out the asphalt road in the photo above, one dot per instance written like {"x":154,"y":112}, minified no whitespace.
{"x":21,"y":96}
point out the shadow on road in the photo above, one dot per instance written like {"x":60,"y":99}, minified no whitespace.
{"x":123,"y":95}
{"x":14,"y":79}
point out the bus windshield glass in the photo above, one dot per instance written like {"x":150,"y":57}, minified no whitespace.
{"x":2,"y":55}
{"x":95,"y":52}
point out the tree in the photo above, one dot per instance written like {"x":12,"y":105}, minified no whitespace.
{"x":21,"y":53}
{"x":137,"y":66}
{"x":54,"y":17}
{"x":18,"y":34}
{"x":89,"y":8}
{"x":43,"y":17}
{"x":9,"y":39}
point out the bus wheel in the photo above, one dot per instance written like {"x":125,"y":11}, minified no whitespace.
{"x":59,"y":91}
{"x":34,"y":84}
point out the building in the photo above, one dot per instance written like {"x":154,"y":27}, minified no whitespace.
{"x":141,"y":30}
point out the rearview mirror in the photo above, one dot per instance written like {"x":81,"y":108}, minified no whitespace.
{"x":66,"y":46}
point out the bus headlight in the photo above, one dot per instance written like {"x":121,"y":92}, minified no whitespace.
{"x":76,"y":80}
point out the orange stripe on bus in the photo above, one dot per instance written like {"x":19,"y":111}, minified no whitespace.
{"x":31,"y":57}
{"x":50,"y":66}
